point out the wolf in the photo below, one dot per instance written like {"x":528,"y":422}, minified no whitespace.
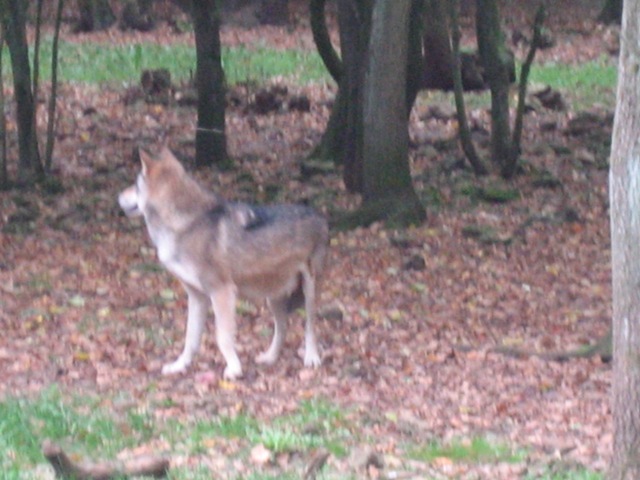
{"x":222,"y":250}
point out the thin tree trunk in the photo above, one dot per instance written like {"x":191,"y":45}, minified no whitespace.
{"x":4,"y":178}
{"x":29,"y":166}
{"x":625,"y":251}
{"x":463,"y":125}
{"x":51,"y":122}
{"x":321,"y":38}
{"x":415,"y":65}
{"x":211,"y":142}
{"x":522,"y":87}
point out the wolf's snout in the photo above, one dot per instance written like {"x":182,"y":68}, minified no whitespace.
{"x":129,"y":202}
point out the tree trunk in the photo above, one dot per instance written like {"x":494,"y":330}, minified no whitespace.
{"x":495,"y":59}
{"x":211,"y":142}
{"x":321,"y":38}
{"x":415,"y":64}
{"x":95,"y":15}
{"x":14,"y":24}
{"x":387,"y":178}
{"x":53,"y":96}
{"x":625,"y":251}
{"x":354,"y":18}
{"x":4,"y":178}
{"x":611,"y":12}
{"x":464,"y":133}
{"x":437,"y":50}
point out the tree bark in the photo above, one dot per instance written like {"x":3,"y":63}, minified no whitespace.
{"x":354,"y":18}
{"x":51,"y":122}
{"x":321,"y":38}
{"x":415,"y":63}
{"x":387,"y":177}
{"x":211,"y":141}
{"x":4,"y":177}
{"x":495,"y":59}
{"x":464,"y":133}
{"x":14,"y":24}
{"x":624,"y":191}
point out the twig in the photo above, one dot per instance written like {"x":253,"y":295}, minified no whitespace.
{"x":65,"y":468}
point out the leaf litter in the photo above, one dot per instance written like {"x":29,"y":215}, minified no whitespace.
{"x":84,"y":305}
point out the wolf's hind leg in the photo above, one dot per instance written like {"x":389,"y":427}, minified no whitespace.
{"x":311,"y":355}
{"x":224,"y":306}
{"x":196,"y":317}
{"x":279,"y":309}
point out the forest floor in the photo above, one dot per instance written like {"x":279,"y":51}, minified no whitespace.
{"x":407,"y":345}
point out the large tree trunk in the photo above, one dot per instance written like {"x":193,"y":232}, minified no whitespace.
{"x":13,"y":16}
{"x":211,"y":141}
{"x":387,"y":179}
{"x":625,"y":250}
{"x":354,"y":18}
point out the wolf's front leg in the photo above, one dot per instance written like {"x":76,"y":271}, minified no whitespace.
{"x":224,"y":307}
{"x":198,"y":305}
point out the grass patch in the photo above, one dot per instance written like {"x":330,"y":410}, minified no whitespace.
{"x":88,"y":429}
{"x":123,"y":64}
{"x":582,"y":85}
{"x":24,"y":424}
{"x":585,"y":84}
{"x":477,"y":450}
{"x":558,"y":472}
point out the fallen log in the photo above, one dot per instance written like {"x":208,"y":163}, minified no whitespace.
{"x":67,"y":469}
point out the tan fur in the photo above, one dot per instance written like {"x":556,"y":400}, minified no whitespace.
{"x":222,"y":250}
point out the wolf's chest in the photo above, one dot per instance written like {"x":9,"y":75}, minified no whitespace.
{"x":179,"y":265}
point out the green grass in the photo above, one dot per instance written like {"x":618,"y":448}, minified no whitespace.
{"x":25,"y":424}
{"x":477,"y":450}
{"x":584,"y":84}
{"x":566,"y":474}
{"x":123,"y":64}
{"x":87,"y":428}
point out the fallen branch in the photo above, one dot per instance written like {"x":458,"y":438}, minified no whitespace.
{"x":65,"y":468}
{"x":602,"y":347}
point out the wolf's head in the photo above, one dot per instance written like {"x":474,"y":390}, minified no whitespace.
{"x":156,"y":174}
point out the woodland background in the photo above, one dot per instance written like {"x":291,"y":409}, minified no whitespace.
{"x":417,"y":325}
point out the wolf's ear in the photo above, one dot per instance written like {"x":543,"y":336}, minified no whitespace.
{"x":146,"y":161}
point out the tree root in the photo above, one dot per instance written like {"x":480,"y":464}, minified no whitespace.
{"x":65,"y":468}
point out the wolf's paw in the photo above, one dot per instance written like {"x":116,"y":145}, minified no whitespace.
{"x":267,"y":358}
{"x":312,"y":359}
{"x":231,"y":372}
{"x":179,"y":366}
